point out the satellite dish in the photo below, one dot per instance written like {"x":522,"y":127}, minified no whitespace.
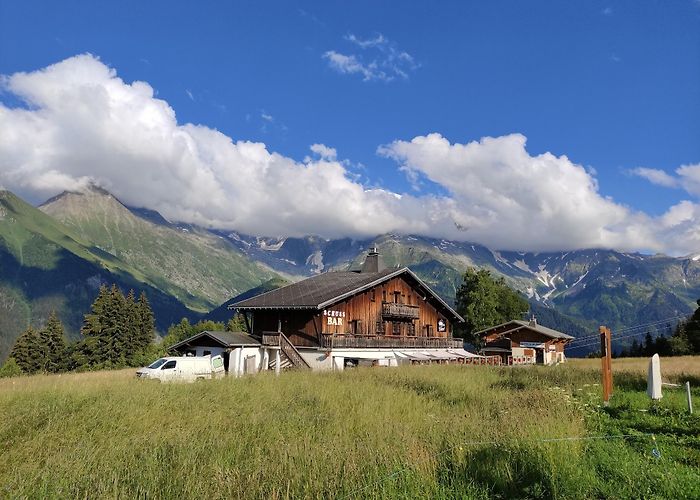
{"x":654,"y":378}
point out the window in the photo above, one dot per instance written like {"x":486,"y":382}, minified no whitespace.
{"x":206,"y":353}
{"x":157,"y":363}
{"x":428,"y":330}
{"x":410,"y":299}
{"x":397,"y":297}
{"x":380,"y":327}
{"x":170,"y":365}
{"x":372,"y":295}
{"x":356,"y":327}
{"x":383,"y":295}
{"x":411,"y":330}
{"x":396,"y":328}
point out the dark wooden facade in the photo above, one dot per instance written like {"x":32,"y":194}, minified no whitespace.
{"x":528,"y":339}
{"x":394,"y":309}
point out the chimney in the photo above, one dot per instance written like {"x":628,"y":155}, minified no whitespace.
{"x":533,"y":321}
{"x":373,"y":262}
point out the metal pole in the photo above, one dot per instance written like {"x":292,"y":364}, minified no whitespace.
{"x":690,"y":399}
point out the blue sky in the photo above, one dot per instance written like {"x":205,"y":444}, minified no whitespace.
{"x":613,"y":86}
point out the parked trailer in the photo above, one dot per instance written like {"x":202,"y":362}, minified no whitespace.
{"x":183,"y":368}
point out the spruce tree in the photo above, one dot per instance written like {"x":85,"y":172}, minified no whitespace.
{"x":115,"y":329}
{"x":146,"y":322}
{"x":94,"y":328}
{"x":131,"y":327}
{"x":52,"y":344}
{"x":26,"y":351}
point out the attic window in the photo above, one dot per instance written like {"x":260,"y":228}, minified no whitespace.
{"x":372,"y":295}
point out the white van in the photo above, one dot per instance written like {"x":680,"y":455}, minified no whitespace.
{"x":184,"y":368}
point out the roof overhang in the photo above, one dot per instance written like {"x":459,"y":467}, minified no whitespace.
{"x":189,"y":340}
{"x":387,"y":277}
{"x":355,"y":291}
{"x":252,"y":308}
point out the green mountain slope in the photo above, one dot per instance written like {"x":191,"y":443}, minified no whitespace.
{"x":200,"y":269}
{"x":222,"y":312}
{"x":45,"y":266}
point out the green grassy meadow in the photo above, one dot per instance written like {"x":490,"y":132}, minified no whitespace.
{"x":413,"y":432}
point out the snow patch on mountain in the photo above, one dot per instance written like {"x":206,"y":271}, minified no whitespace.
{"x":499,"y":258}
{"x":579,"y":279}
{"x":532,"y":293}
{"x":522,"y":265}
{"x":270,"y":246}
{"x":315,"y":260}
{"x":237,"y":238}
{"x":543,"y":276}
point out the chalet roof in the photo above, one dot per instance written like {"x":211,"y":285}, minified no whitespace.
{"x":323,"y":290}
{"x":226,"y":339}
{"x":516,"y":325}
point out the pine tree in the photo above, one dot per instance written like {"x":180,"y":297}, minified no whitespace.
{"x":635,"y":349}
{"x":26,"y":351}
{"x":663,"y":346}
{"x":146,"y":322}
{"x":131,"y":331}
{"x":107,"y":324}
{"x":93,"y":327}
{"x":52,"y":344}
{"x":115,"y":330}
{"x":649,"y":347}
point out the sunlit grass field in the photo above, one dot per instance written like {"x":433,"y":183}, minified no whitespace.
{"x":424,"y":431}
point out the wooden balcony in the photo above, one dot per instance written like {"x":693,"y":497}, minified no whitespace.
{"x":335,"y":341}
{"x":402,"y":311}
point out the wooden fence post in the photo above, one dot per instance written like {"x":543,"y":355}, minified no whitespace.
{"x":606,"y":363}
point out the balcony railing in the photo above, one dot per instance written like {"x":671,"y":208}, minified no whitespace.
{"x":331,"y":341}
{"x":393,"y":310}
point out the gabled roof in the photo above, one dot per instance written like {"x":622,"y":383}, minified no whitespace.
{"x":226,"y":339}
{"x":516,"y":325}
{"x":323,"y":290}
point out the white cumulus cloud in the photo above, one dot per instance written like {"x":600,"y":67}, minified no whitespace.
{"x":80,"y":124}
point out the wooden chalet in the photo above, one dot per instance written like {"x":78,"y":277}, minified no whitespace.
{"x":524,"y":342}
{"x":337,"y":318}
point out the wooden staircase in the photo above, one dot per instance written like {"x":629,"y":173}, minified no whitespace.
{"x":289,"y":355}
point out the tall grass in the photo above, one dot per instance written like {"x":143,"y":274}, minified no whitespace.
{"x":435,"y":431}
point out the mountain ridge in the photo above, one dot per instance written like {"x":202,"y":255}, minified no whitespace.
{"x":199,"y":270}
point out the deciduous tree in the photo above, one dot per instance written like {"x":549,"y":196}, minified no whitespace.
{"x":484,"y":301}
